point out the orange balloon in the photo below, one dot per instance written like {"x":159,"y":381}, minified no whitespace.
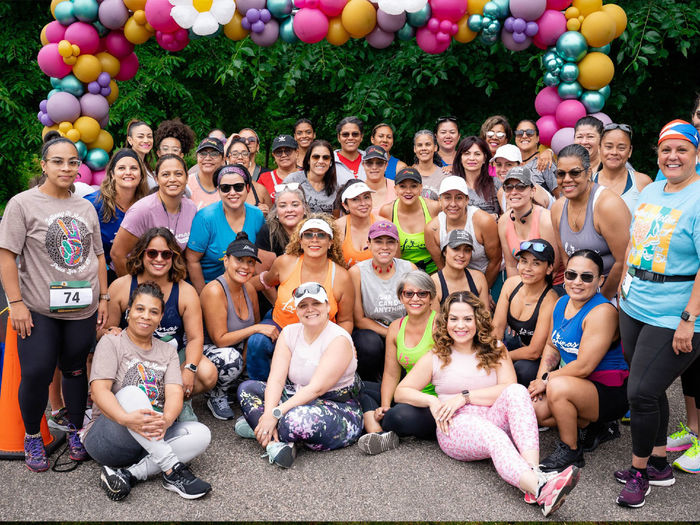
{"x":104,"y":141}
{"x":114,"y":93}
{"x":88,"y":127}
{"x":595,"y":71}
{"x":599,"y":29}
{"x":618,"y":14}
{"x":135,"y":5}
{"x":54,"y":3}
{"x":135,"y":32}
{"x":359,"y":18}
{"x":588,"y":6}
{"x":234,"y":30}
{"x":110,"y":64}
{"x":87,"y":68}
{"x":464,"y":34}
{"x":337,"y":35}
{"x":476,"y":7}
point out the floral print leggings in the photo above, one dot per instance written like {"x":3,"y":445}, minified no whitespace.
{"x":499,"y":432}
{"x":323,"y":424}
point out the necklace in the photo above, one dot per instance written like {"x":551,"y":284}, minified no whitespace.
{"x":531,"y":156}
{"x":378,"y":269}
{"x":177,"y":220}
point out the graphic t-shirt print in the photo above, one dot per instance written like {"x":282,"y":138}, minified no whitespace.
{"x":68,"y":242}
{"x":148,"y":377}
{"x":651,"y":235}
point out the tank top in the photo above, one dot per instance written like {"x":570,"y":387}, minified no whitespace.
{"x":588,"y":237}
{"x":353,"y":255}
{"x":525,"y":329}
{"x":463,"y":373}
{"x":379,"y":300}
{"x":172,"y":327}
{"x":390,"y":172}
{"x":408,"y":357}
{"x":443,"y":285}
{"x":285,"y":312}
{"x":413,"y":244}
{"x":566,"y":337}
{"x":630,"y":194}
{"x":479,"y":260}
{"x":389,"y":196}
{"x":233,"y":322}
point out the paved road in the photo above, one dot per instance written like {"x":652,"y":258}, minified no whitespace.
{"x":415,"y":482}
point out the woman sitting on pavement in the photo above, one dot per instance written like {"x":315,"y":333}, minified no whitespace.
{"x":479,"y":410}
{"x":311,"y":394}
{"x":137,"y":392}
{"x":356,"y":201}
{"x":590,"y":390}
{"x":528,"y":295}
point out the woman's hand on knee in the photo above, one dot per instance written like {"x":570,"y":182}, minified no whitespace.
{"x":146,"y":423}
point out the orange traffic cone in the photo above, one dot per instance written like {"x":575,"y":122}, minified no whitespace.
{"x":11,"y":423}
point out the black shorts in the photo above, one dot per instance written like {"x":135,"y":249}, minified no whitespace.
{"x":612,"y":401}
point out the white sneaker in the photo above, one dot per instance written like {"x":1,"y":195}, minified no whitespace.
{"x":377,"y":442}
{"x":690,"y":460}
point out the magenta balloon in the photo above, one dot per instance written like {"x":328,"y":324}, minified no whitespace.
{"x":117,"y":44}
{"x":568,"y":112}
{"x":390,"y":23}
{"x":561,"y":139}
{"x":95,"y":106}
{"x":446,"y":26}
{"x":310,"y":25}
{"x":434,"y":25}
{"x":55,"y":32}
{"x":113,"y":14}
{"x":429,"y":43}
{"x":51,"y":62}
{"x":603,"y":117}
{"x":129,"y":67}
{"x":85,"y":174}
{"x":158,"y":15}
{"x":552,"y":24}
{"x":98,"y":177}
{"x":527,"y":9}
{"x":547,"y":126}
{"x":85,"y":36}
{"x":379,"y":38}
{"x":547,"y":101}
{"x":269,"y":34}
{"x":452,"y":10}
{"x":63,"y":107}
{"x":558,"y":5}
{"x":332,"y":8}
{"x":244,"y":5}
{"x":515,"y":41}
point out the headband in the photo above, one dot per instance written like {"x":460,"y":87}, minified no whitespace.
{"x":681,"y":130}
{"x":228,"y":170}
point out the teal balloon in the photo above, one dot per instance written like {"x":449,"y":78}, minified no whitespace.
{"x":492,"y":10}
{"x":64,"y":13}
{"x":502,"y":8}
{"x":550,"y":79}
{"x":55,"y":82}
{"x":287,"y":33}
{"x":97,"y":159}
{"x":475,"y":23}
{"x":494,"y":28}
{"x":549,"y":55}
{"x":280,"y":8}
{"x":551,"y":65}
{"x":570,"y":90}
{"x":82,"y":149}
{"x":101,"y":30}
{"x":420,"y":18}
{"x":407,"y":32}
{"x":572,"y":46}
{"x":488,"y":38}
{"x":72,"y":85}
{"x":52,"y":93}
{"x":605,"y":91}
{"x":593,"y":101}
{"x":605,"y":49}
{"x":85,"y":10}
{"x":569,"y":72}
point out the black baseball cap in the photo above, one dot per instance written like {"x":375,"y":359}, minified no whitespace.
{"x":539,"y":248}
{"x":242,"y":247}
{"x":284,"y":141}
{"x":213,"y":143}
{"x":376,"y":152}
{"x":408,"y":174}
{"x":457,"y":238}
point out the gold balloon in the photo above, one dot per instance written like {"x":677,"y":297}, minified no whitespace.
{"x":73,"y":134}
{"x":588,"y":6}
{"x":43,"y":38}
{"x":136,"y":33}
{"x":47,"y":129}
{"x":87,"y":68}
{"x":65,"y":127}
{"x":475,"y":7}
{"x":234,"y":30}
{"x":572,"y":12}
{"x":104,"y":141}
{"x":114,"y":93}
{"x":573,"y":24}
{"x":595,"y":71}
{"x":71,"y":60}
{"x":140,"y":17}
{"x":359,"y":18}
{"x":110,"y":64}
{"x":76,"y":49}
{"x":135,"y":5}
{"x":618,"y":15}
{"x":464,"y":34}
{"x":54,"y":3}
{"x":65,"y":49}
{"x":88,"y":127}
{"x":337,"y":35}
{"x":599,"y":29}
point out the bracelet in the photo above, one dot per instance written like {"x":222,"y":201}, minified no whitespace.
{"x":262,"y":281}
{"x":17,"y":301}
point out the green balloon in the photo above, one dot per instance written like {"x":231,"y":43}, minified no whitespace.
{"x":502,"y":8}
{"x":605,"y":91}
{"x":97,"y":159}
{"x":572,"y":46}
{"x":475,"y":23}
{"x":55,"y":82}
{"x":101,"y":30}
{"x":420,"y":18}
{"x":82,"y":149}
{"x":550,"y":79}
{"x":287,"y":33}
{"x":85,"y":10}
{"x":569,"y":73}
{"x":406,"y":32}
{"x":491,"y":9}
{"x":280,"y":8}
{"x":605,"y":49}
{"x":569,"y":90}
{"x":72,"y":85}
{"x":593,"y":101}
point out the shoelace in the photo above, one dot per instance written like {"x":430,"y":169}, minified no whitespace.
{"x":220,"y":402}
{"x":682,"y":432}
{"x":695,"y":449}
{"x":36,"y":447}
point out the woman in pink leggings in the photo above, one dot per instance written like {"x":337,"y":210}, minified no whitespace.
{"x":481,"y":412}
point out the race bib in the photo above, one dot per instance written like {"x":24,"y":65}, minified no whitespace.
{"x":626,"y":283}
{"x":68,"y":296}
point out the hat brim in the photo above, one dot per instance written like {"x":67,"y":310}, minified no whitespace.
{"x":537,"y":255}
{"x":240,"y":255}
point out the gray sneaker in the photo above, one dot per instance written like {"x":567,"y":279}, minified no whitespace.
{"x":243,"y":429}
{"x":187,"y":413}
{"x":219,"y":407}
{"x":280,"y":453}
{"x":378,"y":442}
{"x":186,"y":484}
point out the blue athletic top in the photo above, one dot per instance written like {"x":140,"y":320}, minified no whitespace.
{"x":107,"y":229}
{"x":390,"y":172}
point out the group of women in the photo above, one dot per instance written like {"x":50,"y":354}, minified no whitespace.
{"x":473,"y":296}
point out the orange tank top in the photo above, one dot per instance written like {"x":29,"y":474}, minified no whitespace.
{"x":351,"y":254}
{"x":284,"y":312}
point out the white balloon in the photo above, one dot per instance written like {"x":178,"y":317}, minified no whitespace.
{"x":205,"y":24}
{"x":184,"y":15}
{"x":396,"y":7}
{"x":223,"y":11}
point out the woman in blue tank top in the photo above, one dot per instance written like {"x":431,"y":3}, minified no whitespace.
{"x":383,"y":135}
{"x":593,"y":374}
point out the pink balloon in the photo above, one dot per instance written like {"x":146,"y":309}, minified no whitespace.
{"x":390,"y":23}
{"x":98,"y":177}
{"x":547,"y":126}
{"x":558,"y":5}
{"x":129,"y":67}
{"x":379,"y":38}
{"x":158,"y":15}
{"x":175,"y":41}
{"x":527,"y":9}
{"x":561,"y":139}
{"x":117,"y":44}
{"x":603,"y":117}
{"x":331,"y":8}
{"x":510,"y":42}
{"x":85,"y":174}
{"x":546,"y":101}
{"x":429,"y":43}
{"x":552,"y":24}
{"x":452,"y":10}
{"x":568,"y":112}
{"x":84,"y":36}
{"x":55,"y":32}
{"x":51,"y":62}
{"x":310,"y":25}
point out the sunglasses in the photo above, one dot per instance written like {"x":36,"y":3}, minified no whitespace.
{"x":586,"y":277}
{"x":291,"y":186}
{"x":209,"y":153}
{"x":316,"y":156}
{"x":353,"y":134}
{"x":519,"y":186}
{"x":408,"y":294}
{"x":249,"y":140}
{"x":152,"y":253}
{"x":307,"y":288}
{"x":622,"y":127}
{"x":309,"y":235}
{"x":283,"y":152}
{"x":497,"y":134}
{"x":238,"y":187}
{"x":448,"y":118}
{"x":537,"y":246}
{"x":528,"y":132}
{"x":574,"y":173}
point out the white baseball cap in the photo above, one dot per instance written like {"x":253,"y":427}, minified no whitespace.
{"x":509,"y":152}
{"x":354,"y":190}
{"x":311,"y":290}
{"x":453,"y":182}
{"x":317,"y":224}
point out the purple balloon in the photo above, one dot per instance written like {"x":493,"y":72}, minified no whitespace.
{"x":519,"y":25}
{"x":265,"y":15}
{"x":269,"y":34}
{"x":244,"y":5}
{"x":63,"y":107}
{"x":106,"y":91}
{"x":258,"y":27}
{"x":508,"y":24}
{"x":532,"y":29}
{"x":245,"y":24}
{"x":42,"y":106}
{"x":253,"y":15}
{"x":519,"y":38}
{"x":562,"y":138}
{"x":379,"y":38}
{"x":390,"y":23}
{"x":113,"y":14}
{"x":95,"y":106}
{"x":104,"y":122}
{"x":104,"y":79}
{"x":510,"y":43}
{"x":94,"y":88}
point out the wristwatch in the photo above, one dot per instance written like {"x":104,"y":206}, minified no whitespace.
{"x":277,"y":413}
{"x":685,"y":316}
{"x":105,"y":297}
{"x":191,"y":367}
{"x":467,"y":399}
{"x":545,"y":376}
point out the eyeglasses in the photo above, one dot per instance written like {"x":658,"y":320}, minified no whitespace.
{"x":537,"y":246}
{"x":307,"y":288}
{"x":586,"y":277}
{"x":622,"y":127}
{"x":316,"y":156}
{"x":249,"y":140}
{"x":59,"y":163}
{"x":291,"y":186}
{"x":497,"y":134}
{"x":152,"y":253}
{"x":448,"y":118}
{"x":308,"y":235}
{"x":353,"y":134}
{"x":519,"y":186}
{"x":574,"y":173}
{"x":283,"y":152}
{"x":528,"y":132}
{"x":209,"y":153}
{"x":239,"y":154}
{"x":237,"y":187}
{"x":408,"y":294}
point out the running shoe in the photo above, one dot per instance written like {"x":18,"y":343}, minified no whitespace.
{"x":552,"y":494}
{"x":182,"y":481}
{"x":636,"y":489}
{"x":219,"y":407}
{"x":562,"y":457}
{"x":690,"y":461}
{"x":659,"y":478}
{"x":626,"y":418}
{"x":243,"y":429}
{"x":596,"y":433}
{"x":35,"y":454}
{"x":187,"y":413}
{"x":59,"y":421}
{"x":681,"y":439}
{"x":377,"y":442}
{"x":76,"y":449}
{"x":116,"y":483}
{"x":280,"y":453}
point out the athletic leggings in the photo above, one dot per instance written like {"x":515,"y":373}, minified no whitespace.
{"x":114,"y":445}
{"x":500,"y":432}
{"x":653,"y":368}
{"x":690,"y":380}
{"x":229,"y":363}
{"x":370,"y":353}
{"x":62,"y":341}
{"x":322,"y":424}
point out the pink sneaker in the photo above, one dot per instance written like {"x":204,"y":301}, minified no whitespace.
{"x":555,"y":490}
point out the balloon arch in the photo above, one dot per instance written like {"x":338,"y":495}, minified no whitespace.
{"x":89,"y":47}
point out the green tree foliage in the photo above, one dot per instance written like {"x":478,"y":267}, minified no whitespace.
{"x":215,"y":82}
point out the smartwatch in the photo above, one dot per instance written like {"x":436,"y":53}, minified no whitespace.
{"x":105,"y":297}
{"x":545,"y":376}
{"x":467,"y":399}
{"x":685,"y":316}
{"x":277,"y":413}
{"x":191,"y":367}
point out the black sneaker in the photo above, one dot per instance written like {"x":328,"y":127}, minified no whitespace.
{"x":598,"y":433}
{"x":186,"y":484}
{"x":561,"y":458}
{"x":116,"y":483}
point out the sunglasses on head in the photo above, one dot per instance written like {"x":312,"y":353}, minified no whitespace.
{"x":353,"y":134}
{"x":238,"y":187}
{"x":622,"y":127}
{"x":574,"y":173}
{"x":408,"y":294}
{"x":279,"y":188}
{"x":307,"y":288}
{"x":497,"y":134}
{"x":586,"y":277}
{"x":152,"y":253}
{"x":537,"y":246}
{"x":316,"y":156}
{"x":448,"y":118}
{"x":528,"y":132}
{"x":519,"y":186}
{"x":308,"y":235}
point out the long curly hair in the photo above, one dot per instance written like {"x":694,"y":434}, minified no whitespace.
{"x":484,"y":182}
{"x":176,"y":129}
{"x":135,"y":266}
{"x":488,"y":352}
{"x":108,"y":188}
{"x":335,"y":252}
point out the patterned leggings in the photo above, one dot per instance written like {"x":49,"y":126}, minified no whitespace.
{"x":229,"y":363}
{"x":323,"y":424}
{"x":479,"y":432}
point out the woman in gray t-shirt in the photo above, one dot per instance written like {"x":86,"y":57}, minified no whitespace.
{"x":318,"y":178}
